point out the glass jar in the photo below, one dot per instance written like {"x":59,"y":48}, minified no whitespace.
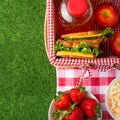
{"x":76,"y":12}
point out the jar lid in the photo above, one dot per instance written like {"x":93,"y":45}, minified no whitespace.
{"x":77,"y":7}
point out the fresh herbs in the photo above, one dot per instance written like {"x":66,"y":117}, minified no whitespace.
{"x":84,"y":48}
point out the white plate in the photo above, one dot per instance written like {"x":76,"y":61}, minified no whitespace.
{"x":53,"y":109}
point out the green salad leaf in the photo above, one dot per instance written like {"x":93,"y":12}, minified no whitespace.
{"x":84,"y":48}
{"x":108,"y":33}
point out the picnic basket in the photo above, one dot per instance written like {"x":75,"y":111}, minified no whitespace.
{"x":52,"y":31}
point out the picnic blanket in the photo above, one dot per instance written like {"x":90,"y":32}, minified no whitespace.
{"x":97,"y":83}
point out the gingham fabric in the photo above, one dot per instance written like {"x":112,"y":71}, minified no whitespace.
{"x":103,"y":63}
{"x":97,"y":83}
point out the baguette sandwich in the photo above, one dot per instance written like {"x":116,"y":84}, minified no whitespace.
{"x":82,"y":44}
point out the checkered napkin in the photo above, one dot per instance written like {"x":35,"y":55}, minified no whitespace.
{"x":97,"y":83}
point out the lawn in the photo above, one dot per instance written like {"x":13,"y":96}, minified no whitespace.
{"x":27,"y":80}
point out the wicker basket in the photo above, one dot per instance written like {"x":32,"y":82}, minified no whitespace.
{"x":52,"y":31}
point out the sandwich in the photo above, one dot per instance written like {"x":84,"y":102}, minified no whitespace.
{"x":82,"y":44}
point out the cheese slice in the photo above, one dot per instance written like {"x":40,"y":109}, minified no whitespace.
{"x":85,"y":36}
{"x":75,"y":54}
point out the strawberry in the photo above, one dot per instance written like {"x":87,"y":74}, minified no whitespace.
{"x":91,"y":108}
{"x":74,"y":113}
{"x":62,"y":101}
{"x":77,"y":94}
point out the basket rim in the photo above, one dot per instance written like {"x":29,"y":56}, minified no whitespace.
{"x":45,"y":34}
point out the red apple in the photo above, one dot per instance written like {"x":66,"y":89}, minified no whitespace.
{"x":106,"y":16}
{"x":115,"y":44}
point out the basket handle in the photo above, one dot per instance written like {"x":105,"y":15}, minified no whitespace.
{"x":86,"y":73}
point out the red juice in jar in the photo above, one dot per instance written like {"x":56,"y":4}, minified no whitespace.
{"x":74,"y":16}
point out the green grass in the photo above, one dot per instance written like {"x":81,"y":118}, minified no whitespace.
{"x":27,"y":80}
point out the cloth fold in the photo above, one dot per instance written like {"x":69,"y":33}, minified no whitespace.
{"x":97,"y":83}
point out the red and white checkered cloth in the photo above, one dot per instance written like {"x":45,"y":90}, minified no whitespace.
{"x":97,"y":84}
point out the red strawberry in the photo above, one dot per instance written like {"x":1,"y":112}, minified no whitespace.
{"x":75,"y":114}
{"x":77,"y":94}
{"x":91,"y":108}
{"x":62,"y":101}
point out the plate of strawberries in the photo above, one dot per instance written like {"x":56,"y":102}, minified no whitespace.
{"x":75,"y":104}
